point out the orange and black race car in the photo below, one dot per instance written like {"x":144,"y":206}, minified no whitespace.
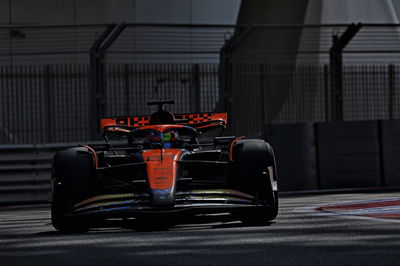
{"x":163,"y":165}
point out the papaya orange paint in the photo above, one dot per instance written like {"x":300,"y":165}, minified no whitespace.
{"x":162,"y":168}
{"x":231,"y":147}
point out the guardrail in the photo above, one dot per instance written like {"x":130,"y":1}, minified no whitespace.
{"x":25,"y":171}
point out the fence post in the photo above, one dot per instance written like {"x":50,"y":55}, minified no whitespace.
{"x":335,"y":56}
{"x":95,"y":62}
{"x":49,"y":109}
{"x":226,"y":68}
{"x":195,"y":88}
{"x":98,"y":53}
{"x":262,"y":95}
{"x":326,"y":92}
{"x":102,"y":77}
{"x":225,"y":77}
{"x":336,"y":67}
{"x":126,"y":88}
{"x":392,"y":82}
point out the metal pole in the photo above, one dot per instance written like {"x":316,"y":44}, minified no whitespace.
{"x":336,"y":65}
{"x":226,"y":69}
{"x":49,"y":109}
{"x":336,"y":68}
{"x":392,"y":83}
{"x":326,"y":92}
{"x":126,"y":87}
{"x":195,"y":87}
{"x":101,"y":66}
{"x":94,"y":74}
{"x":262,"y":95}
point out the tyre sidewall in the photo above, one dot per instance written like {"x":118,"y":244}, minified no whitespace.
{"x":73,"y":175}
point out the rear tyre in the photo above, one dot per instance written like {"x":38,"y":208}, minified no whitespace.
{"x":255,"y":173}
{"x":72,"y":173}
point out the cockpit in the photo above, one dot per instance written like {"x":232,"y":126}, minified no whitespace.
{"x":153,"y":137}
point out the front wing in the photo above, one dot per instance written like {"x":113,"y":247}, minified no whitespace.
{"x":194,"y":201}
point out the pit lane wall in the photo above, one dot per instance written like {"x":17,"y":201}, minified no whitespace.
{"x":333,"y":155}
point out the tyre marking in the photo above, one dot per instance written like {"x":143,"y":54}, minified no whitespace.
{"x":274,"y":183}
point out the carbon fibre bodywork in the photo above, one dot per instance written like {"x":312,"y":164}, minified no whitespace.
{"x":128,"y":188}
{"x":161,"y":167}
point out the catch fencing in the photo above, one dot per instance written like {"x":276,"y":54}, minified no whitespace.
{"x":284,"y":94}
{"x":57,"y":81}
{"x":285,"y":74}
{"x":54,"y":103}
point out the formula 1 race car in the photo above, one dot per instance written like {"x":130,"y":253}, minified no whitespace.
{"x":163,"y":165}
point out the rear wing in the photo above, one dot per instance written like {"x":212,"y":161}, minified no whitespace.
{"x":200,"y":121}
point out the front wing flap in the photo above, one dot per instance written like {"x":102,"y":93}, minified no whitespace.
{"x":131,"y":203}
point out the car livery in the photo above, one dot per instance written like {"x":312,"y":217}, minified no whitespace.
{"x":163,"y":164}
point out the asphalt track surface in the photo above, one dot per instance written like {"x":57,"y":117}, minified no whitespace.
{"x":301,"y":235}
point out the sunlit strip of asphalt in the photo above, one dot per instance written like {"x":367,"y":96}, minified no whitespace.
{"x":366,"y":211}
{"x":362,"y":205}
{"x":382,"y":214}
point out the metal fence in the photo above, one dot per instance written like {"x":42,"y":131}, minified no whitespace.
{"x":52,"y":103}
{"x":287,"y":94}
{"x":194,"y":87}
{"x":44,"y":103}
{"x":56,"y":81}
{"x":313,"y":73}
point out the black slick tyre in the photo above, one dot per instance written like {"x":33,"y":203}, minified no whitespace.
{"x":72,"y":175}
{"x":255,"y":173}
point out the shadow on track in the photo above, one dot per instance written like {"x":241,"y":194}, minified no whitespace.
{"x":216,"y":221}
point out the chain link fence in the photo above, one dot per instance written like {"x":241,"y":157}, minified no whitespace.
{"x":56,"y":81}
{"x":284,"y":75}
{"x":49,"y":86}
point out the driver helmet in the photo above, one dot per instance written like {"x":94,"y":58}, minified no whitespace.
{"x":153,"y":139}
{"x":170,"y":138}
{"x":155,"y":136}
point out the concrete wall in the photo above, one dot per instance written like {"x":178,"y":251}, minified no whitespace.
{"x":294,"y":147}
{"x":356,"y":154}
{"x":114,"y":11}
{"x":67,"y":11}
{"x":349,"y":154}
{"x":391,"y":152}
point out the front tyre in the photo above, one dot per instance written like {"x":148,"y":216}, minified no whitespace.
{"x":72,"y":174}
{"x":255,"y":173}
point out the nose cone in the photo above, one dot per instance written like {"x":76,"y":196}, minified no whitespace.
{"x":162,"y":168}
{"x":163,"y":196}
